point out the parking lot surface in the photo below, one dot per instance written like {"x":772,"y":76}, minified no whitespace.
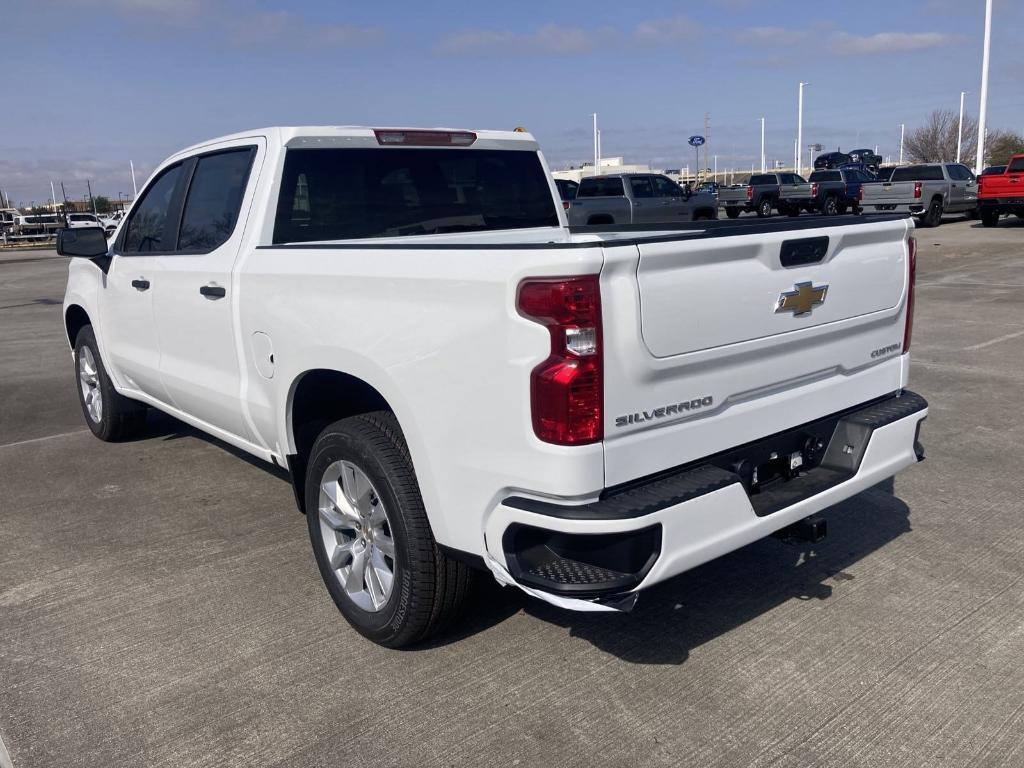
{"x":159,"y":603}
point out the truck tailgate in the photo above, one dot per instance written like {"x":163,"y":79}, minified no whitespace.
{"x":717,"y":342}
{"x":888,"y":192}
{"x":734,"y":196}
{"x":795,"y":191}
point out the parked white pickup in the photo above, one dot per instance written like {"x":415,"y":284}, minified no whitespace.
{"x":456,"y":378}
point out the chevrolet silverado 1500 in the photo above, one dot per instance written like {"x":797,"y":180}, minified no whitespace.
{"x":637,"y":198}
{"x":926,"y":191}
{"x":457,"y":380}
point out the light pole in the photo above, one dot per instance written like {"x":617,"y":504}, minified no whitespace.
{"x":135,"y":189}
{"x":800,"y":124}
{"x":762,"y":145}
{"x":901,"y":144}
{"x":980,"y":160}
{"x":596,"y":150}
{"x":960,"y":127}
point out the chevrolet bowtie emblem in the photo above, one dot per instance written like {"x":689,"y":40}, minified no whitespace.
{"x":801,"y":301}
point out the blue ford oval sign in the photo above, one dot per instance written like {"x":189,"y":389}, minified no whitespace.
{"x":696,"y":141}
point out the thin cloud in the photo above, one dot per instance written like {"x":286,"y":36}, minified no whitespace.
{"x":667,"y":31}
{"x":550,"y":39}
{"x":285,"y":30}
{"x":846,"y":44}
{"x":772,"y":36}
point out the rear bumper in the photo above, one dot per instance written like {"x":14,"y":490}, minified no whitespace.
{"x":1002,"y":202}
{"x":596,"y":556}
{"x":915,"y":208}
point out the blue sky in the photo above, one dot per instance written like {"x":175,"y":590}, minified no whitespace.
{"x":92,"y":84}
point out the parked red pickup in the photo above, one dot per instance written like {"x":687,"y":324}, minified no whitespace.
{"x":1002,"y":192}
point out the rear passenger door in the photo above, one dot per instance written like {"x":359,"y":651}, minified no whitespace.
{"x":646,"y":209}
{"x":195,"y":301}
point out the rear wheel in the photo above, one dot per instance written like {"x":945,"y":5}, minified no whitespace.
{"x":933,"y":217}
{"x":989,"y":217}
{"x":829,"y":207}
{"x":732,"y":212}
{"x":764,"y":208}
{"x":371,"y":537}
{"x":110,"y":416}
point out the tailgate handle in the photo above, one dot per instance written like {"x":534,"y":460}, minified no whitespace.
{"x":807,"y":250}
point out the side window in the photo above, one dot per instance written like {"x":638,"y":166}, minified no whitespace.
{"x":146,"y":227}
{"x":214,"y":198}
{"x":641,"y":186}
{"x":666,"y":187}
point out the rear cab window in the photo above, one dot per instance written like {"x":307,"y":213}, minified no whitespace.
{"x":765,"y":179}
{"x":1016,"y":165}
{"x":341,"y":194}
{"x":826,"y":176}
{"x":918,"y":173}
{"x":601,"y":187}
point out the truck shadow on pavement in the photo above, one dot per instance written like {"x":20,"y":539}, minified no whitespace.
{"x":695,"y":607}
{"x":683,"y":613}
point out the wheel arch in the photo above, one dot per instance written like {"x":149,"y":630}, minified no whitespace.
{"x":318,"y":397}
{"x":75,"y":319}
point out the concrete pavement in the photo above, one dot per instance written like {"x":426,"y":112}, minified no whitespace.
{"x":159,"y":604}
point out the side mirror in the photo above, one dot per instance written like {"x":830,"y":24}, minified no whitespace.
{"x":84,"y":242}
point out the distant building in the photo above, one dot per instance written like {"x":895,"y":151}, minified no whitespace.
{"x":608,"y":165}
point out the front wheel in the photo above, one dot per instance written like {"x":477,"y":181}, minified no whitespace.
{"x":110,"y":416}
{"x":989,"y":217}
{"x":371,"y":537}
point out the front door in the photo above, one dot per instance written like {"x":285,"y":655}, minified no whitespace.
{"x":674,"y":205}
{"x":130,"y":343}
{"x":195,"y":304}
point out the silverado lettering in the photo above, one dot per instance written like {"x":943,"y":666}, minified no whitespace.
{"x":660,"y":413}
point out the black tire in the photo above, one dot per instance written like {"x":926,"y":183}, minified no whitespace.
{"x":118,"y":417}
{"x":829,"y":207}
{"x":732,"y":212}
{"x":841,"y":209}
{"x":989,"y":217}
{"x":429,"y":588}
{"x":792,"y":210}
{"x":764,"y":208}
{"x":971,"y":214}
{"x":933,"y":217}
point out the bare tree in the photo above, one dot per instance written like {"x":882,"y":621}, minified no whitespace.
{"x":935,"y":141}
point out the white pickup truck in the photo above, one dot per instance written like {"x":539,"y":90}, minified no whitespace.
{"x":457,"y":380}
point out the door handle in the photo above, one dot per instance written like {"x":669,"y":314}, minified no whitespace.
{"x":213,"y":291}
{"x":141,"y":284}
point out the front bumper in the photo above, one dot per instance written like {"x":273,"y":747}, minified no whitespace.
{"x":597,"y":555}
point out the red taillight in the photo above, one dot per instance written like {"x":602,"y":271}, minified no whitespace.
{"x":860,"y":194}
{"x":566,"y":205}
{"x":814,"y":190}
{"x":917,"y":189}
{"x":750,"y":193}
{"x":911,"y":279}
{"x":566,"y":390}
{"x":420,"y":138}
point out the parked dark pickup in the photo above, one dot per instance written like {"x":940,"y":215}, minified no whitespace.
{"x":762,"y":194}
{"x":829,"y":192}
